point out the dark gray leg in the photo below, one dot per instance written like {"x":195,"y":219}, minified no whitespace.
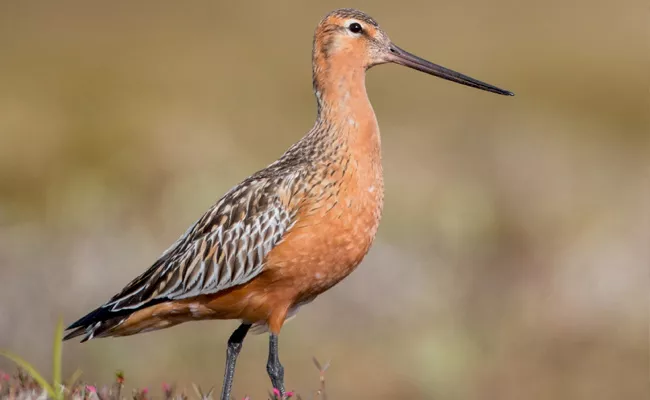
{"x":273,"y":366}
{"x":234,"y":347}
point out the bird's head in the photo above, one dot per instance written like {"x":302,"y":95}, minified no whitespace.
{"x":355,"y":40}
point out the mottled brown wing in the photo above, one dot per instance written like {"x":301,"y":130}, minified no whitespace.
{"x":224,"y":248}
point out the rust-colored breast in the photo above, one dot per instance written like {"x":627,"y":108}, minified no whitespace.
{"x":337,"y":221}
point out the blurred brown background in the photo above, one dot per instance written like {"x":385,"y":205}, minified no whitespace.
{"x":512,"y":261}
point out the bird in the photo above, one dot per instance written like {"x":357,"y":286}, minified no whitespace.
{"x":290,"y":231}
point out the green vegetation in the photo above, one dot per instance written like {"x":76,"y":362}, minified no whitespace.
{"x":55,"y":389}
{"x":29,"y":383}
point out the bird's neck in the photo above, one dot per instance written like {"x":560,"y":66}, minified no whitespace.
{"x":345,"y":114}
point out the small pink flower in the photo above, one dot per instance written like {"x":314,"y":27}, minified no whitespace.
{"x":119,"y":377}
{"x":91,"y":389}
{"x":247,"y":398}
{"x":4,"y":376}
{"x":289,"y":394}
{"x":276,"y":393}
{"x":145,"y":391}
{"x":166,"y":387}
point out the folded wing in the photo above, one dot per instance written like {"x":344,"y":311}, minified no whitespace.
{"x":226,"y":247}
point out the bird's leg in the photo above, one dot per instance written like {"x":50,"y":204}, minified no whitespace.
{"x":273,"y":366}
{"x":234,"y":347}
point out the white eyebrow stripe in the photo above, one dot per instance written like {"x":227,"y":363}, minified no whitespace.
{"x":352,"y":21}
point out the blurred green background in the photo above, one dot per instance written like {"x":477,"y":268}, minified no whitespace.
{"x":512,"y":259}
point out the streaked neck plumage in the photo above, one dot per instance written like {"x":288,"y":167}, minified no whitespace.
{"x":344,"y":109}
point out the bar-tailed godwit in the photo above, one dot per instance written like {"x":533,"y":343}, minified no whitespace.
{"x":288,"y":232}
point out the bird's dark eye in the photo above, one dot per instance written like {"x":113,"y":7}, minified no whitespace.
{"x":355,"y":27}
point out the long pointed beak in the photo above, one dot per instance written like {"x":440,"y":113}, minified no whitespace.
{"x":403,"y":57}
